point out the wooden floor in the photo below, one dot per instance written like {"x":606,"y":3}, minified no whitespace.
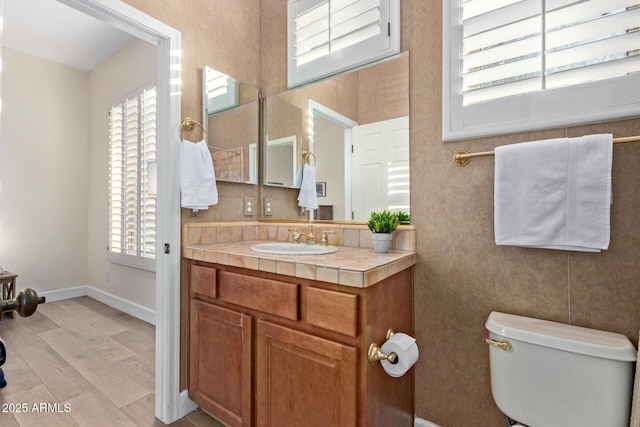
{"x":79,"y":362}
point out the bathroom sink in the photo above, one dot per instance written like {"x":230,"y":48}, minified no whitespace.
{"x":284,"y":248}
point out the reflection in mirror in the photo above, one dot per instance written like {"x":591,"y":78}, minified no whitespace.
{"x":357,"y":125}
{"x":283,"y":136}
{"x":231,"y":120}
{"x":281,"y":161}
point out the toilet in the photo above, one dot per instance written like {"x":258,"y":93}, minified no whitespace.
{"x":548,"y":374}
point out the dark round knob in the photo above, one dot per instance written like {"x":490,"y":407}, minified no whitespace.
{"x":27,"y":300}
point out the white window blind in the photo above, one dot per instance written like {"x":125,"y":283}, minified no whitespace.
{"x":516,"y":65}
{"x":132,"y":202}
{"x":327,"y":37}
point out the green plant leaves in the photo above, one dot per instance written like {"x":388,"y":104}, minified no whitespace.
{"x":383,"y":222}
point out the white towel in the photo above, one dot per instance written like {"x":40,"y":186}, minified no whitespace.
{"x":554,"y":193}
{"x":308,"y":198}
{"x":197,"y":177}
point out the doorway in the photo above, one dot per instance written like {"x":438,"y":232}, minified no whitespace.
{"x":168,"y":43}
{"x":330,"y":139}
{"x":168,"y":406}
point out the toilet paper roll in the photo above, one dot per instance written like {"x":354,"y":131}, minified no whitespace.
{"x":407,"y":350}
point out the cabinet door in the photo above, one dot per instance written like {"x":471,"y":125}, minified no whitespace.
{"x":220,"y":362}
{"x":303,"y":380}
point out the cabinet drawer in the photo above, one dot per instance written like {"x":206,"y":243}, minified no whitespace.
{"x":203,"y":280}
{"x":266,"y":295}
{"x":332,"y":310}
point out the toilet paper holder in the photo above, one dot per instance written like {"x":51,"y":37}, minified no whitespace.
{"x":375,"y":354}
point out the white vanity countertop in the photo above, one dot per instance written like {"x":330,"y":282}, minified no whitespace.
{"x":350,"y":266}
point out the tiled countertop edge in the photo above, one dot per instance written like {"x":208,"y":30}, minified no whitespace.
{"x":380,"y":266}
{"x":228,"y":243}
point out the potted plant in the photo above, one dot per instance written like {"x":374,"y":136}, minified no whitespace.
{"x":403,"y":217}
{"x":382,"y":225}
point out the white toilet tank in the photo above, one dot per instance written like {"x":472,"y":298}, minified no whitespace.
{"x":558,"y":375}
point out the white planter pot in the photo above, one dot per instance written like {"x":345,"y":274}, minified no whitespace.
{"x":381,"y":242}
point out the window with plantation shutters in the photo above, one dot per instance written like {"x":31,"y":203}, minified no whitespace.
{"x":327,"y":37}
{"x":518,"y":65}
{"x":132,"y":166}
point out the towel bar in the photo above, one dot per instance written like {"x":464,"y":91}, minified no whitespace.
{"x":463,"y":157}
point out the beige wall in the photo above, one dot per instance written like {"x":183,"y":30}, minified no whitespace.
{"x":224,"y":35}
{"x":43,"y":169}
{"x":461,"y":276}
{"x":128,"y":69}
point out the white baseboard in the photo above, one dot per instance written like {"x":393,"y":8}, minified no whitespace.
{"x":62,"y":294}
{"x":132,"y":308}
{"x":419,"y":422}
{"x":186,"y":405}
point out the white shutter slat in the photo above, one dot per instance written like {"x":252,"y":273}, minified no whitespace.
{"x":600,"y":51}
{"x":317,"y":41}
{"x":502,"y":48}
{"x":609,"y":26}
{"x":340,"y":15}
{"x":617,"y":68}
{"x":356,"y":37}
{"x":314,"y":54}
{"x":563,"y":12}
{"x":318,"y":27}
{"x":312,"y":33}
{"x":508,"y":33}
{"x":505,"y":52}
{"x":499,"y":91}
{"x":356,"y":24}
{"x":497,"y":75}
{"x":502,"y":16}
{"x":311,"y":12}
{"x":478,"y":7}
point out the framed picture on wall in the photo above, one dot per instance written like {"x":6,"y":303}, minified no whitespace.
{"x":321,"y":189}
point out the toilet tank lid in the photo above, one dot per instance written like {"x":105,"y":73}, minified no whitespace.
{"x":575,"y":339}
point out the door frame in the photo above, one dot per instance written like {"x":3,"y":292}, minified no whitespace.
{"x":168,"y":404}
{"x":317,"y":109}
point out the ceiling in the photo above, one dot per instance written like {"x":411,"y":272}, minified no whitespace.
{"x":56,"y":32}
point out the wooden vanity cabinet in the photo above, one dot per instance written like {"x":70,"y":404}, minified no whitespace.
{"x":221,"y":362}
{"x":275,"y":350}
{"x":319,"y":375}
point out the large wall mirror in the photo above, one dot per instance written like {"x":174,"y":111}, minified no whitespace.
{"x":231,"y":121}
{"x":357,"y":127}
